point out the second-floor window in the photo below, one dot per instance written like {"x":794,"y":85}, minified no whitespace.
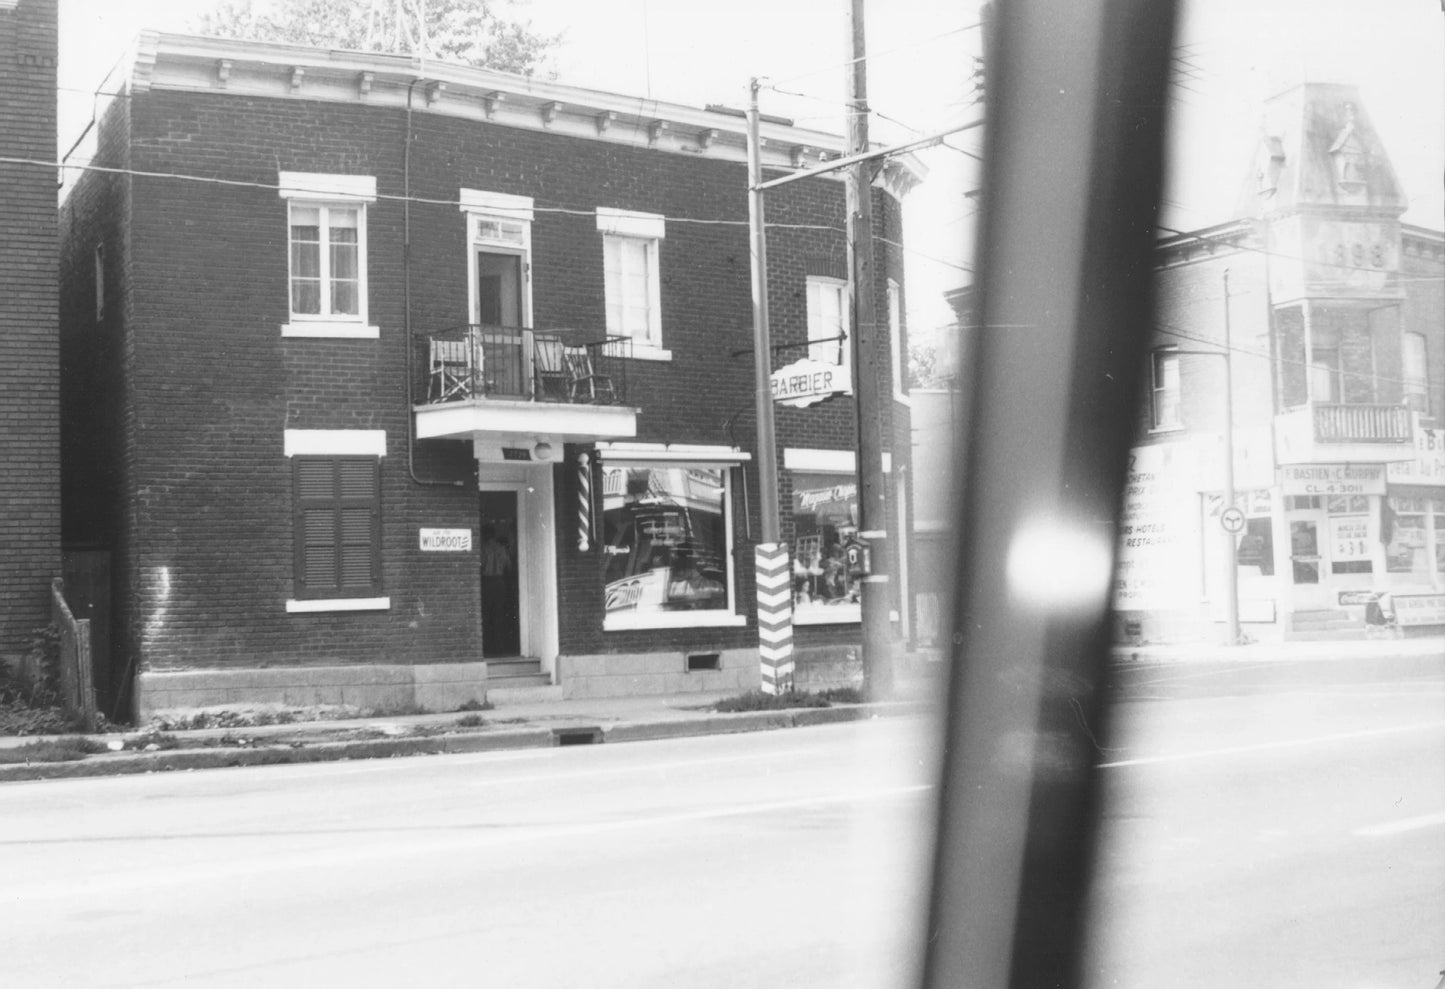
{"x":326,"y":253}
{"x":1165,"y":385}
{"x":828,"y":319}
{"x":631,"y":247}
{"x":1325,"y":374}
{"x":325,"y":260}
{"x":1416,"y":373}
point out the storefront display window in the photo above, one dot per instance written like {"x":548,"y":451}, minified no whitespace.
{"x":1409,"y":522}
{"x":666,"y":540}
{"x":825,"y":518}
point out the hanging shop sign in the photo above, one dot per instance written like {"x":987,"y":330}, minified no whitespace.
{"x":808,"y":382}
{"x":1332,"y":479}
{"x":446,"y":540}
{"x":1428,"y":464}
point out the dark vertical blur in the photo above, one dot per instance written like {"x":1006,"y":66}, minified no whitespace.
{"x":1072,"y":175}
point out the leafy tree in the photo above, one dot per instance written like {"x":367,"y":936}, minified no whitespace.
{"x":488,"y":33}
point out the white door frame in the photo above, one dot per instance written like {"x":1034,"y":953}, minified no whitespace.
{"x":536,"y":553}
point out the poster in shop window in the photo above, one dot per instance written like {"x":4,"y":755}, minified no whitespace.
{"x":825,"y":517}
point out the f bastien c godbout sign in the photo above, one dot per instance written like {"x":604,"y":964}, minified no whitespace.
{"x":808,"y":382}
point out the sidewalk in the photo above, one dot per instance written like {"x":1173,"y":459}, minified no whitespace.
{"x":1256,"y":652}
{"x":519,"y":725}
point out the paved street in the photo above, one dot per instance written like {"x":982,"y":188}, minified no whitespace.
{"x":768,"y":859}
{"x":1276,"y":824}
{"x":1270,"y":824}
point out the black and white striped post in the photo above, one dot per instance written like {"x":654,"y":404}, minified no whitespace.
{"x":584,"y":502}
{"x":775,"y":617}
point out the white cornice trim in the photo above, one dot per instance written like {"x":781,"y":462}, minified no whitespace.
{"x":193,"y":64}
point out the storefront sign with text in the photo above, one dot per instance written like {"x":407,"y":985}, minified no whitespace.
{"x":446,"y":540}
{"x":1332,"y":479}
{"x":808,"y":382}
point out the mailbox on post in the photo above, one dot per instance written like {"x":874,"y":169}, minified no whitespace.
{"x":858,"y":558}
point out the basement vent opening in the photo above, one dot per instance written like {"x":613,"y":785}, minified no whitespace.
{"x":700,"y":661}
{"x":577,"y":736}
{"x":514,"y":453}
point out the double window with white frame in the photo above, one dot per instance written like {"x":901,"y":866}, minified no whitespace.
{"x":1164,"y":390}
{"x":631,"y":248}
{"x":326,"y":254}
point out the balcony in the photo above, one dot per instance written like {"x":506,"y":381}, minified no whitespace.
{"x":499,"y":385}
{"x":1320,"y":433}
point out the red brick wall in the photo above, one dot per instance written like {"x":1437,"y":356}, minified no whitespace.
{"x":29,"y":374}
{"x":205,"y":542}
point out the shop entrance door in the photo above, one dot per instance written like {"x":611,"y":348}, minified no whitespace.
{"x":501,"y":565}
{"x":1309,"y":560}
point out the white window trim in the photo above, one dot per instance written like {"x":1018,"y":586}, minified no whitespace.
{"x":337,"y":604}
{"x":828,"y":461}
{"x":1154,"y":391}
{"x":325,"y":189}
{"x":894,"y":302}
{"x":480,"y":204}
{"x":845,"y":320}
{"x":335,"y":442}
{"x":651,"y":227}
{"x":637,"y":455}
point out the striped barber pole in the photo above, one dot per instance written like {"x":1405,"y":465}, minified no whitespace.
{"x":584,"y":502}
{"x":775,"y":616}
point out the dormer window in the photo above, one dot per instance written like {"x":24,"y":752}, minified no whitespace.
{"x":1349,"y":156}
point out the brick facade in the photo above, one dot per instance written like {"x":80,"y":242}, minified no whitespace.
{"x":177,"y":464}
{"x":29,"y":371}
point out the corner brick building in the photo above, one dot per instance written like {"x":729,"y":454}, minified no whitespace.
{"x":392,"y":382}
{"x":29,"y":336}
{"x":1332,"y":312}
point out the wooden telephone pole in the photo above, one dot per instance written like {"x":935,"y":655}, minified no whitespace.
{"x":872,"y":487}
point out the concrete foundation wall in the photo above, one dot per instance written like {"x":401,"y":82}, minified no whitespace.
{"x":434,"y":687}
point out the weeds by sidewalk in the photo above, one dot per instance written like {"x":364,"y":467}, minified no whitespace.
{"x":756,"y":700}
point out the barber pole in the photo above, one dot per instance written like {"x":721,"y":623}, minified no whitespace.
{"x":584,"y":502}
{"x":775,"y":617}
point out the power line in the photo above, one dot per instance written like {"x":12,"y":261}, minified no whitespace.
{"x":891,"y":51}
{"x":420,"y":200}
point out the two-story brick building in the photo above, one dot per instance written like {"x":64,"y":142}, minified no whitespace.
{"x":29,"y":336}
{"x":392,"y":379}
{"x":1332,"y":314}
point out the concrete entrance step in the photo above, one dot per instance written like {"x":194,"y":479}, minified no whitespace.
{"x":512,"y":690}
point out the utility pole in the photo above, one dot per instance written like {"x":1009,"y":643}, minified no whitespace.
{"x":1231,"y":553}
{"x":772,"y":563}
{"x":872,"y":491}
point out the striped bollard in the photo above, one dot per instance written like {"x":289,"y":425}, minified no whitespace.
{"x":584,"y":502}
{"x":775,"y":617}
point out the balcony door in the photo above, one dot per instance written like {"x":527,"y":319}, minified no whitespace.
{"x":499,"y":289}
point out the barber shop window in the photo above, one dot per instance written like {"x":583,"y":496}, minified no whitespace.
{"x":667,"y":544}
{"x":825,"y":519}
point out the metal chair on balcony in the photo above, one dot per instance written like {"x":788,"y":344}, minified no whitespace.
{"x":550,"y":379}
{"x":451,"y":370}
{"x":584,"y":383}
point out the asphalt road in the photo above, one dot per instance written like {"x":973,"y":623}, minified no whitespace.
{"x":1276,"y":825}
{"x":786,"y":858}
{"x":1270,"y":825}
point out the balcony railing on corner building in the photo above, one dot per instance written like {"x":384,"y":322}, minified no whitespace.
{"x":1362,"y":424}
{"x":569,"y":366}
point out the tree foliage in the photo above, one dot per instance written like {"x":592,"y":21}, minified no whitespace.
{"x":488,"y":33}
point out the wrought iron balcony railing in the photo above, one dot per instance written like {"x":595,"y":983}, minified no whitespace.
{"x":522,"y":364}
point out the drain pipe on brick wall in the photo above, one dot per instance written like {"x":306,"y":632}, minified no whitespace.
{"x":406,"y":305}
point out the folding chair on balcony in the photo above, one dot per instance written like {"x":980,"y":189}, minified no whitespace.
{"x":584,"y":383}
{"x":549,"y":370}
{"x":451,"y":373}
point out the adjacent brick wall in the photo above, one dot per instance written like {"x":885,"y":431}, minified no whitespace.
{"x":29,"y":373}
{"x":203,"y":536}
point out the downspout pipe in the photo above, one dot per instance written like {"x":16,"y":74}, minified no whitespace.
{"x":406,"y":304}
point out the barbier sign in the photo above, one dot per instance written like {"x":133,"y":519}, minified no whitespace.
{"x":808,"y":382}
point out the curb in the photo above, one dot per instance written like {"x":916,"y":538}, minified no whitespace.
{"x":295,"y":752}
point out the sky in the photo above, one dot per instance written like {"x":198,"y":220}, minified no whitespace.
{"x":1232,"y":55}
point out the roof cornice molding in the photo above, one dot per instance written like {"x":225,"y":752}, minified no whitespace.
{"x":178,"y":62}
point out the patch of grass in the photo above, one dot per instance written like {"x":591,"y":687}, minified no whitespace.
{"x":842,"y":695}
{"x":756,"y":700}
{"x":471,"y":721}
{"x":52,"y":750}
{"x":476,"y":705}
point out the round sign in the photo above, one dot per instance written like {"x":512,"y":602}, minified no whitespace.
{"x":1232,"y":519}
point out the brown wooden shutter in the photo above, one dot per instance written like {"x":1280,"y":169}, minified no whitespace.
{"x":338,"y":527}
